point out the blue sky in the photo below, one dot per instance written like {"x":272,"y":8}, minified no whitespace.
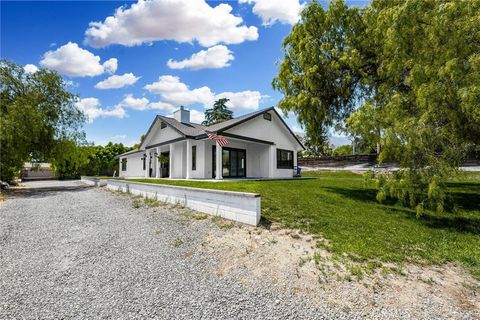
{"x":235,"y":47}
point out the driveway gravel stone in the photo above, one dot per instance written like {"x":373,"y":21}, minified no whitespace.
{"x":68,"y":251}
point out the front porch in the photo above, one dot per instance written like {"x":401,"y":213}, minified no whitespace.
{"x":240,"y":159}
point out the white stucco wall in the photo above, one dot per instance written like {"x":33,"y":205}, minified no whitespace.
{"x":199,"y":173}
{"x":158,"y":135}
{"x":273,"y":131}
{"x":134,"y":166}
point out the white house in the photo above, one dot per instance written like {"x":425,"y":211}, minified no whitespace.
{"x":255,"y":145}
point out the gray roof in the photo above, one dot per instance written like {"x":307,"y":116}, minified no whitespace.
{"x":233,"y":122}
{"x":195,"y":130}
{"x":186,"y":129}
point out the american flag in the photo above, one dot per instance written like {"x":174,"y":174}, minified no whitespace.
{"x":221,"y":141}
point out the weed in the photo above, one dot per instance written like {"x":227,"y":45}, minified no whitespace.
{"x":177,"y":243}
{"x":151,"y":202}
{"x":200,"y":216}
{"x":136,"y":203}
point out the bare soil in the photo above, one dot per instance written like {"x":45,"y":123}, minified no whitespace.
{"x":293,"y":262}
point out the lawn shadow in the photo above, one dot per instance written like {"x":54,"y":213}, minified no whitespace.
{"x":450,"y":221}
{"x":358,"y":194}
{"x":43,"y":191}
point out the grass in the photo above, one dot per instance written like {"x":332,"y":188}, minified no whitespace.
{"x":338,"y":207}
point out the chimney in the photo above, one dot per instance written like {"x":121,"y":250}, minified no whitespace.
{"x":182,"y":115}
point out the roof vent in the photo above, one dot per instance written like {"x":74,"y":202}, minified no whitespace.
{"x":182,"y":115}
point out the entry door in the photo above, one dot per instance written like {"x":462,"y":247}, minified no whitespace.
{"x":165,"y":165}
{"x":234,"y":163}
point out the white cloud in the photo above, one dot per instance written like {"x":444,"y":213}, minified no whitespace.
{"x":196,"y":116}
{"x":176,"y":93}
{"x":30,"y":68}
{"x":163,"y":106}
{"x":271,"y":11}
{"x":299,"y":130}
{"x":110,"y":65}
{"x":214,"y":58}
{"x":178,"y":20}
{"x":244,"y":100}
{"x":91,"y":108}
{"x":129,"y":102}
{"x":71,"y":60}
{"x":116,"y":81}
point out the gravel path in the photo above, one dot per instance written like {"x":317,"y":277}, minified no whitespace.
{"x":67,"y":251}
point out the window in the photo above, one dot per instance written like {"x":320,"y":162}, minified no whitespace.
{"x":194,"y":157}
{"x":267,"y":116}
{"x":144,"y":162}
{"x":284,"y":159}
{"x":163,"y":125}
{"x":124,"y":164}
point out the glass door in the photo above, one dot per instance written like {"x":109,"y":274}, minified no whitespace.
{"x":234,"y":163}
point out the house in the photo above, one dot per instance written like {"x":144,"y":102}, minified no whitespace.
{"x":255,"y":145}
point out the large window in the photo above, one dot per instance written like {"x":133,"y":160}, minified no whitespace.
{"x":284,"y":159}
{"x":124,"y":164}
{"x":194,"y":157}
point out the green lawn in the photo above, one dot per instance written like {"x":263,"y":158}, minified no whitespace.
{"x":339,"y":207}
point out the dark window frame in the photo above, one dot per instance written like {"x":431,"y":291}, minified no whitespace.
{"x":194,"y":158}
{"x":124,"y":164}
{"x":144,"y":163}
{"x":163,"y":125}
{"x":267,"y":116}
{"x":285,"y":163}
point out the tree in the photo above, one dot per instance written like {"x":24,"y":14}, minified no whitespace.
{"x":344,"y":150}
{"x":36,"y":113}
{"x":218,"y":113}
{"x":409,"y":71}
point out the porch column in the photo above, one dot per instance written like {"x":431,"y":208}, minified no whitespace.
{"x":218,"y":162}
{"x":170,"y":161}
{"x":147,"y":162}
{"x":157,"y":163}
{"x":189,"y":159}
{"x":271,"y":161}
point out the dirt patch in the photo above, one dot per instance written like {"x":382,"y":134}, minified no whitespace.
{"x":293,"y":262}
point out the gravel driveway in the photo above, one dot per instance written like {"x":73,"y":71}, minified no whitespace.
{"x":68,"y":251}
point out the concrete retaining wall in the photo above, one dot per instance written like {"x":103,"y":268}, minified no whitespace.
{"x":93,"y":181}
{"x":238,"y":206}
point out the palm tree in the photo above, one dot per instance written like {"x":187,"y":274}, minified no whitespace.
{"x":218,"y":113}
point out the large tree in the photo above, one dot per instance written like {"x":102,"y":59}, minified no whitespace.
{"x":37,"y":116}
{"x":405,"y":73}
{"x":218,"y":113}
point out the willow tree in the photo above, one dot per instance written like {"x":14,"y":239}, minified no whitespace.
{"x":37,"y":116}
{"x":413,"y":65}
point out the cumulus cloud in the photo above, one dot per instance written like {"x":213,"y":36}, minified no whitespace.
{"x":73,"y":61}
{"x":91,"y":108}
{"x":178,"y":20}
{"x":196,"y":116}
{"x":117,"y":81}
{"x":175,"y":92}
{"x":30,"y":68}
{"x":213,"y":58}
{"x":129,"y":102}
{"x":163,"y":106}
{"x":271,"y":11}
{"x":243,"y":100}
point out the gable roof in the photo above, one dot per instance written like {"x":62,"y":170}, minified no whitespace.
{"x":195,"y":130}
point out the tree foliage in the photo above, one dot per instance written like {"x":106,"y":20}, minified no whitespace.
{"x":76,"y":160}
{"x":218,"y":113}
{"x":402,"y":73}
{"x":37,"y":114}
